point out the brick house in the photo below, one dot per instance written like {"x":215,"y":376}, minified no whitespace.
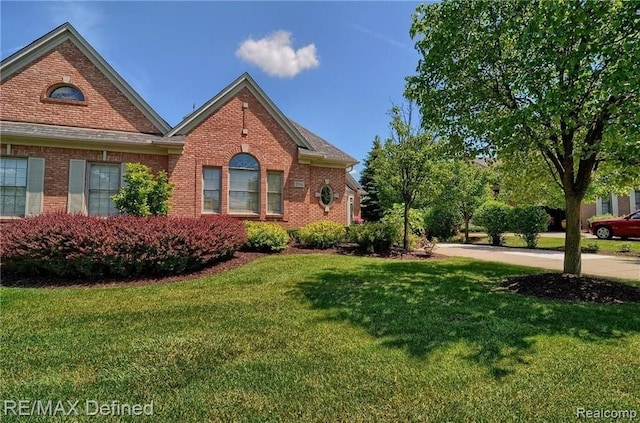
{"x":617,"y":205}
{"x":69,"y":123}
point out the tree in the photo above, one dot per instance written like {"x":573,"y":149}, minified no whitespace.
{"x":560,"y":78}
{"x":143,"y":194}
{"x":404,"y":165}
{"x":370,"y":208}
{"x":530,"y":184}
{"x":466,"y":188}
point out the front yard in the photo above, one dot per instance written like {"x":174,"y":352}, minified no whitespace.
{"x":324,"y":338}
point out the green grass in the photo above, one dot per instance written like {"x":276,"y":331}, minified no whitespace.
{"x":324,"y":338}
{"x":605,"y":245}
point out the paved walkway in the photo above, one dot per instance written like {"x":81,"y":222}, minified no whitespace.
{"x":592,"y":264}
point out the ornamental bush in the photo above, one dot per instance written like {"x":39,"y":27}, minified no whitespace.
{"x":441,"y":222}
{"x":375,"y":237}
{"x":86,"y":247}
{"x":143,"y":194}
{"x":528,"y":222}
{"x":322,"y":234}
{"x":266,"y":237}
{"x":395,"y":216}
{"x":496,"y":217}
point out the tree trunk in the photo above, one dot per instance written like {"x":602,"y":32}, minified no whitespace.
{"x":405,"y":239}
{"x":466,"y":230}
{"x":572,"y":252}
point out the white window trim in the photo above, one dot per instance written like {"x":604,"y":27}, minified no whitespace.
{"x":202,"y":210}
{"x":632,"y":201}
{"x":26,"y":187}
{"x":350,"y":200}
{"x":239,"y":212}
{"x":87,"y":183}
{"x":281,"y":194}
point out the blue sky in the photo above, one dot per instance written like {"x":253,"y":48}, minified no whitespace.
{"x":334,"y":67}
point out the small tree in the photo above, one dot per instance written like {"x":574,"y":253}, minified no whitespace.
{"x":370,"y":208}
{"x":466,"y":188}
{"x":405,"y":164}
{"x":528,"y":222}
{"x":143,"y":194}
{"x":496,"y":218}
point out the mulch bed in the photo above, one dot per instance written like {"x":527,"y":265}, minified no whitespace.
{"x":572,"y":288}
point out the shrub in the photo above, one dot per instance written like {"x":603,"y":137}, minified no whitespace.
{"x":75,"y":246}
{"x":625,"y":247}
{"x":592,"y":247}
{"x":268,"y":237}
{"x":322,"y":234}
{"x":496,"y":218}
{"x":375,"y":237}
{"x":293,"y":235}
{"x":441,"y":222}
{"x":395,"y":216}
{"x":143,"y":194}
{"x":528,"y":222}
{"x":600,"y":217}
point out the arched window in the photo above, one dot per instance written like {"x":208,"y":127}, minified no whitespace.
{"x":66,"y":92}
{"x":244,"y":184}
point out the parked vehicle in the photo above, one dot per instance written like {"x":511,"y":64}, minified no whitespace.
{"x":624,"y":227}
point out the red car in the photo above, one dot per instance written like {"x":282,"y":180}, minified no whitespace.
{"x":624,"y":227}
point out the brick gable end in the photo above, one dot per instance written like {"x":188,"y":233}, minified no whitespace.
{"x":106,"y":107}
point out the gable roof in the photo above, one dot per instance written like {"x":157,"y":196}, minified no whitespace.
{"x":354,"y":185}
{"x":309,"y":144}
{"x":324,"y":147}
{"x":64,"y":32}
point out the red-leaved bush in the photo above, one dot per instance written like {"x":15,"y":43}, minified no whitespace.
{"x":75,"y":246}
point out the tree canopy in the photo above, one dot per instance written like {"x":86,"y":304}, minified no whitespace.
{"x":370,"y":208}
{"x":558,"y":78}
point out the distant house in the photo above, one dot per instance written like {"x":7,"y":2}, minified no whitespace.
{"x":69,"y":123}
{"x":612,"y":204}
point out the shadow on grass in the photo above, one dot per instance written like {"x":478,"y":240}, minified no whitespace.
{"x":422,"y":307}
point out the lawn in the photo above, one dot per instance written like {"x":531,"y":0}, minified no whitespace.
{"x":604,"y":245}
{"x":324,"y":338}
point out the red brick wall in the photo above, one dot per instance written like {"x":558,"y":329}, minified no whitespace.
{"x":586,"y":211}
{"x":56,"y":168}
{"x":106,"y":107}
{"x":216,"y":140}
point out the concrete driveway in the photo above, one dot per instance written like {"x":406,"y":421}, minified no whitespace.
{"x":592,"y":264}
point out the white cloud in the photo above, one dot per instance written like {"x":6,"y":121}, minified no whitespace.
{"x":275,"y":55}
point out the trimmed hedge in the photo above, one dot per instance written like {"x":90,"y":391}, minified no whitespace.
{"x":375,"y":237}
{"x":322,"y":234}
{"x":75,"y":246}
{"x":496,"y":217}
{"x":441,"y":222}
{"x":528,"y":222}
{"x":267,"y":237}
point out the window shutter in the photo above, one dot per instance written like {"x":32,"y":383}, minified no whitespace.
{"x":77,"y":176}
{"x":35,"y":186}
{"x":123,"y":171}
